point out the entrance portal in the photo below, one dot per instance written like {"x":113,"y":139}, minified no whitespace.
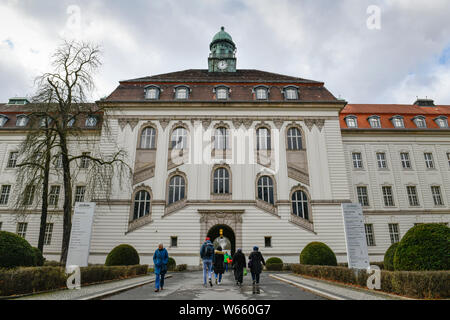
{"x":224,"y":236}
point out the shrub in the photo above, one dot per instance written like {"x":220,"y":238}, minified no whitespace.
{"x":389,"y":257}
{"x":171,"y":264}
{"x":318,"y":253}
{"x":181,"y":267}
{"x":15,"y":251}
{"x":38,"y":257}
{"x":274,"y":260}
{"x":122,"y":255}
{"x":274,"y":264}
{"x":50,"y":263}
{"x":424,"y":247}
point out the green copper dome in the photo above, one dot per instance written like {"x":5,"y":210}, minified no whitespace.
{"x":221,"y":36}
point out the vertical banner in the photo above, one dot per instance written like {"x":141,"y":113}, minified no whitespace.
{"x":355,"y":236}
{"x":80,"y":237}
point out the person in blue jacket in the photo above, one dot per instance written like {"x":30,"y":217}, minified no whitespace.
{"x":160,"y":260}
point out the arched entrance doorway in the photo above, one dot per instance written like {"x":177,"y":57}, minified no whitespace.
{"x":228,"y":236}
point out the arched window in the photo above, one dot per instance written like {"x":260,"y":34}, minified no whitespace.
{"x":177,"y":189}
{"x":263,"y":139}
{"x":221,"y":138}
{"x":300,"y":204}
{"x":91,"y":121}
{"x":179,"y":138}
{"x":3,"y":120}
{"x":290,"y":93}
{"x":265,"y":189}
{"x":221,"y":181}
{"x":148,"y":137}
{"x":152,"y":92}
{"x":141,"y":204}
{"x":294,"y":137}
{"x":22,"y":121}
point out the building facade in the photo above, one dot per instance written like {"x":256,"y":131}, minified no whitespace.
{"x":264,"y":158}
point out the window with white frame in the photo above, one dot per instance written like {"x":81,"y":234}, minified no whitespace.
{"x":84,"y":161}
{"x":412,"y":196}
{"x":352,"y":121}
{"x":141,"y":204}
{"x":429,"y":160}
{"x":406,"y":163}
{"x":22,"y":229}
{"x":71,"y":122}
{"x":91,"y":121}
{"x":263,"y":139}
{"x":181,"y":93}
{"x":442,"y":122}
{"x":59,"y":161}
{"x":152,"y":93}
{"x":265,"y":189}
{"x":79,"y":193}
{"x":370,"y":236}
{"x":261,"y":93}
{"x":177,"y":189}
{"x":437,"y":197}
{"x":374,"y":122}
{"x":178,"y":139}
{"x":221,"y":183}
{"x":28,"y":195}
{"x":221,"y":139}
{"x":12,"y":160}
{"x":291,"y":93}
{"x":53,"y":196}
{"x":394,"y":233}
{"x":294,"y":139}
{"x":388,"y":196}
{"x":420,"y":121}
{"x":48,"y":234}
{"x":397,"y":121}
{"x":300,"y":206}
{"x":363,"y":197}
{"x":222,"y":93}
{"x":381,"y":160}
{"x":45,"y":122}
{"x":148,"y":138}
{"x":3,"y":120}
{"x":22,"y":121}
{"x":357,"y":160}
{"x":4,"y":196}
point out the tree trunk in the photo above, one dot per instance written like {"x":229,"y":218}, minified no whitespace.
{"x":67,"y":227}
{"x":44,"y":208}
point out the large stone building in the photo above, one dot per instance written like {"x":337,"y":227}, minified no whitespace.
{"x":266,"y":158}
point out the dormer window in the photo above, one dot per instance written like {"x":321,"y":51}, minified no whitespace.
{"x":91,"y":121}
{"x":261,"y":93}
{"x":442,"y":122}
{"x":290,"y":93}
{"x":420,"y":122}
{"x":3,"y":120}
{"x":222,"y":92}
{"x":352,"y":121}
{"x":71,"y":122}
{"x":397,"y":121}
{"x":374,"y":121}
{"x":152,"y":92}
{"x":182,"y":93}
{"x":22,"y":121}
{"x":45,"y":122}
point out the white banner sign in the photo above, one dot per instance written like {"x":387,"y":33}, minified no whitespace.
{"x":80,"y":237}
{"x":355,"y":236}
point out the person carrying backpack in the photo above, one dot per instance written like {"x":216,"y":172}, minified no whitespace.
{"x":207,"y":255}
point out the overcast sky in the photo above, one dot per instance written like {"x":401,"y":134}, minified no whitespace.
{"x":324,"y":40}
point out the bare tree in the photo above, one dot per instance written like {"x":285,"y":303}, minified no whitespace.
{"x":67,"y":121}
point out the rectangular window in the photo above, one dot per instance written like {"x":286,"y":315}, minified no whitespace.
{"x":362,"y":196}
{"x":429,"y":160}
{"x":412,"y":196}
{"x":448,"y":158}
{"x":29,"y":195}
{"x":12,"y":161}
{"x":357,"y":160}
{"x":1,"y":226}
{"x":53,"y":196}
{"x":437,"y":198}
{"x":370,"y":237}
{"x":48,"y":234}
{"x":381,"y":160}
{"x":79,"y":193}
{"x":85,"y":161}
{"x":393,"y":232}
{"x":388,"y":197}
{"x":59,"y":162}
{"x":406,"y":163}
{"x":4,"y":196}
{"x":174,"y":242}
{"x":268,"y":242}
{"x":22,"y":229}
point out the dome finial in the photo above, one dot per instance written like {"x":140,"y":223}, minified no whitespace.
{"x":222,"y":28}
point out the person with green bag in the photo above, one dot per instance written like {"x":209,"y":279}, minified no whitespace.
{"x":226,"y":260}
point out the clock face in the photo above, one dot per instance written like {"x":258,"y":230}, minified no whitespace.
{"x":222,"y":64}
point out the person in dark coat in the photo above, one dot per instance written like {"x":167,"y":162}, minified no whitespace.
{"x":219,"y":264}
{"x":160,"y":260}
{"x":238,"y":265}
{"x":255,"y":262}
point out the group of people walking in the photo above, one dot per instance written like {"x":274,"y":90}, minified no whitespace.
{"x":216,"y":261}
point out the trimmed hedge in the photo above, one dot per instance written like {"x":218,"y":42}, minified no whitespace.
{"x":171,"y":264}
{"x":28,"y":280}
{"x":181,"y":267}
{"x":389,"y":257}
{"x":15,"y":251}
{"x":424,"y":247}
{"x":318,"y":253}
{"x":38,"y":257}
{"x":274,"y":264}
{"x":122,"y":255}
{"x":414,"y":284}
